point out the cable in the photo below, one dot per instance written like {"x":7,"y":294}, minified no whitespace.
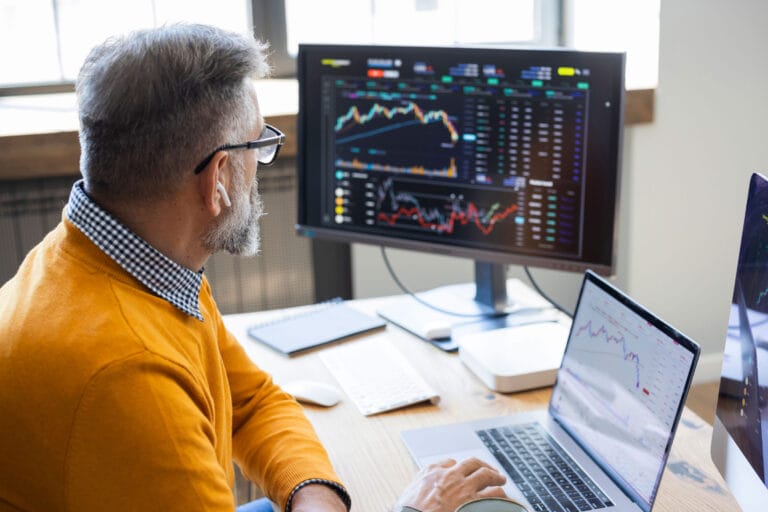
{"x":415,"y":297}
{"x":541,"y":292}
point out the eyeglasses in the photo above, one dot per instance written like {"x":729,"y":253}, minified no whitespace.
{"x":268,"y":144}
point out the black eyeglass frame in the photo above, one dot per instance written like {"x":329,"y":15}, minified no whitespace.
{"x":277,"y":139}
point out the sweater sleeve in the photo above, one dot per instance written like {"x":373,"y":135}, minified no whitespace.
{"x":273,"y":442}
{"x":141,"y":440}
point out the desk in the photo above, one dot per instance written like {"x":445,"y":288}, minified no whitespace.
{"x":373,"y":462}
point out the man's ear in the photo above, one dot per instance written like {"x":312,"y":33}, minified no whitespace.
{"x":217,"y":171}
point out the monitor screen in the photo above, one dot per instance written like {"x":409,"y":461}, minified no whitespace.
{"x":621,"y":386}
{"x":500,"y":155}
{"x":740,"y":439}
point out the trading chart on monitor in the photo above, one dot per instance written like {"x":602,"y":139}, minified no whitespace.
{"x":627,"y":378}
{"x":509,"y":159}
{"x":481,"y":147}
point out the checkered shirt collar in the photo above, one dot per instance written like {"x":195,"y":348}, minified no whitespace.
{"x":178,"y":285}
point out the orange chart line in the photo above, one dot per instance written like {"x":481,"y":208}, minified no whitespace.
{"x":446,"y":172}
{"x":376,"y":110}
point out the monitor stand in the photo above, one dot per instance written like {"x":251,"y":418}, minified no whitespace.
{"x":483,"y":306}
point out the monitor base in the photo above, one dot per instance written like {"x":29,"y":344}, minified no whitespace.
{"x":438,"y":327}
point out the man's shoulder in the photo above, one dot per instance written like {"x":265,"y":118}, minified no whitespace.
{"x":58,"y":311}
{"x":71,"y":327}
{"x":59,"y":350}
{"x":71,"y":311}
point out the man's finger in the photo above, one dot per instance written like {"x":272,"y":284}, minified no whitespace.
{"x":492,"y":492}
{"x":446,"y":463}
{"x":487,"y":477}
{"x":473,"y":464}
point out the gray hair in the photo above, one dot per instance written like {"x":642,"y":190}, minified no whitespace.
{"x":156,"y":102}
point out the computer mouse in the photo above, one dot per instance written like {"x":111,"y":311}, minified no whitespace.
{"x":313,"y":392}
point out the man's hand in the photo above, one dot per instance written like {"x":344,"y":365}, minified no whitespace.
{"x":317,"y":498}
{"x":442,"y":487}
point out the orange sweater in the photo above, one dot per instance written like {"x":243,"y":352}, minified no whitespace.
{"x":113,"y":399}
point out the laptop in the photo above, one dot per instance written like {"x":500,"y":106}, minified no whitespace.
{"x":603,"y":442}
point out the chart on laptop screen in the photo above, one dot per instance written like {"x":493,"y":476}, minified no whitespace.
{"x":620,"y":387}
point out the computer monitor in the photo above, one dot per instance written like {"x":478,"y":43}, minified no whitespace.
{"x":504,"y":156}
{"x":740,"y":431}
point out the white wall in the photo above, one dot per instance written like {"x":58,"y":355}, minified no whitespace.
{"x":684,"y":179}
{"x":687,"y":173}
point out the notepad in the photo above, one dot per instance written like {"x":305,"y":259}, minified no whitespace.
{"x":308,"y":328}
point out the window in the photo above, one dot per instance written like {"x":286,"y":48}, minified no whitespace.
{"x":618,"y":25}
{"x":602,"y":25}
{"x":52,"y":37}
{"x":423,"y":22}
{"x":287,"y":23}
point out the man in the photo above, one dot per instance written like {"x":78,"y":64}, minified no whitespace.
{"x":120,"y":388}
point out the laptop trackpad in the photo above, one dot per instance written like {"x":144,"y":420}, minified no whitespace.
{"x":442,"y":441}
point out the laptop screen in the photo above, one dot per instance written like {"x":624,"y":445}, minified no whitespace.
{"x":621,"y":386}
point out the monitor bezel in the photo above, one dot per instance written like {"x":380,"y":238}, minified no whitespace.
{"x":504,"y":257}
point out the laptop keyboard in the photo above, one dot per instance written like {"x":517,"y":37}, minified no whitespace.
{"x":546,"y":475}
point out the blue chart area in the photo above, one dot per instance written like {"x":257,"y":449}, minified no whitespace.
{"x":376,"y":131}
{"x":620,"y":387}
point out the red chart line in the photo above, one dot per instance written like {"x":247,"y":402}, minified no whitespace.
{"x":463,"y":218}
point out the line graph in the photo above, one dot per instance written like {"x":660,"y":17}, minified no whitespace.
{"x":443,"y":217}
{"x":626,"y":354}
{"x":353,"y":117}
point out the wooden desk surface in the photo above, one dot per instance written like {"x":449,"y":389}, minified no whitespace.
{"x":374,"y":464}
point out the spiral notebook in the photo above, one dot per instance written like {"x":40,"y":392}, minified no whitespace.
{"x":314,"y":326}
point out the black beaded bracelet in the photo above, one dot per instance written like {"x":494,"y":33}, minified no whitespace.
{"x":338,"y":489}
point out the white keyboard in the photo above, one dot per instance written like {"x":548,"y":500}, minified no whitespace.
{"x":376,"y":376}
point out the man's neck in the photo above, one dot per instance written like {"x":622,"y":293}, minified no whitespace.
{"x":168,"y":225}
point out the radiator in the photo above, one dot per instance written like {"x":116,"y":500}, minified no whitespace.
{"x":281,"y":275}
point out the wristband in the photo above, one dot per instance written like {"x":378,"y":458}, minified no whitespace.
{"x":338,"y":489}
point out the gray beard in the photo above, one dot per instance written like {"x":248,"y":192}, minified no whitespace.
{"x":238,"y":231}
